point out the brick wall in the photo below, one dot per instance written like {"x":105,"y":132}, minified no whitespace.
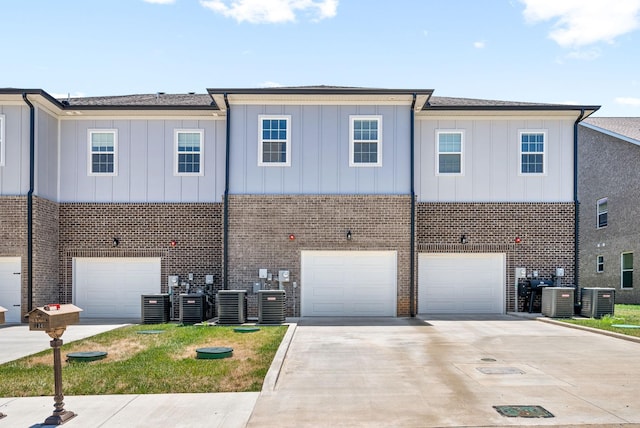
{"x":13,"y":235}
{"x":144,"y":230}
{"x":259,"y":229}
{"x":546,"y":229}
{"x":46,"y":288}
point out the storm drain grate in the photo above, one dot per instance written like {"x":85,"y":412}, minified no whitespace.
{"x":499,"y":370}
{"x":523,"y":411}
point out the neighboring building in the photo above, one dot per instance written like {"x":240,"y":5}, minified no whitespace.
{"x":609,"y":194}
{"x":378,"y":202}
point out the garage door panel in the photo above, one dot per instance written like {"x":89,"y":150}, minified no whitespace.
{"x":461,"y":283}
{"x":348,"y":283}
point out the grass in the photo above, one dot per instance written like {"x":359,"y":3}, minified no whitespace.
{"x":150,"y":363}
{"x":623,"y":314}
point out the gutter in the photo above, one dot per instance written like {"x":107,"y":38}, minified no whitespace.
{"x":576,"y":214}
{"x":225,"y":217}
{"x":412,"y":255}
{"x":32,"y":141}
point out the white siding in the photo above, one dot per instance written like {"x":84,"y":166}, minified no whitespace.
{"x":14,"y":175}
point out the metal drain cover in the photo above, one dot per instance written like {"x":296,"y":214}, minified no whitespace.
{"x":499,"y":370}
{"x":523,"y":411}
{"x":86,"y":356}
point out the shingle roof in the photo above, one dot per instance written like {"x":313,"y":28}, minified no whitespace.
{"x":454,"y":103}
{"x":143,"y":100}
{"x":625,"y":126}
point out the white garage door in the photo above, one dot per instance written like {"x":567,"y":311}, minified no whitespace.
{"x":111,"y":287}
{"x":461,"y":283}
{"x":348,"y":283}
{"x":10,"y":296}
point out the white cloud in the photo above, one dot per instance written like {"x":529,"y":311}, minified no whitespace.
{"x":272,"y":11}
{"x":628,"y":101}
{"x":479,"y":44}
{"x":588,"y":55}
{"x":160,"y":1}
{"x":584,"y":22}
{"x":271,"y":85}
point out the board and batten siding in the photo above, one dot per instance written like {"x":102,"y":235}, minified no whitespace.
{"x":46,"y":160}
{"x":492,"y":161}
{"x":146,"y":153}
{"x":319,"y":152}
{"x":14,"y":175}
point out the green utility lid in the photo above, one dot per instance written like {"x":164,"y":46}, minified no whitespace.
{"x":246,"y":329}
{"x":86,"y":356}
{"x":213,"y":353}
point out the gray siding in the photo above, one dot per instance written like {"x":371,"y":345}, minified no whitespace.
{"x":14,"y":175}
{"x":319,"y":152}
{"x":491,"y":162}
{"x":46,"y":165}
{"x":145,"y":163}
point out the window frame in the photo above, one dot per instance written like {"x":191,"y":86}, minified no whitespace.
{"x":352,"y":141}
{"x":438,"y":152}
{"x":90,"y":152}
{"x":522,"y":132}
{"x":600,"y":263}
{"x":600,"y":202}
{"x":287,"y":140}
{"x":176,"y":153}
{"x":2,"y":139}
{"x":623,"y":270}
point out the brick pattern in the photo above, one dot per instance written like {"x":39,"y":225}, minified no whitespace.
{"x":143,"y":230}
{"x":46,"y":286}
{"x":259,"y":229}
{"x":546,"y":229}
{"x":13,"y":235}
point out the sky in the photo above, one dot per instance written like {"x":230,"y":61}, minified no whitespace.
{"x":584,"y":52}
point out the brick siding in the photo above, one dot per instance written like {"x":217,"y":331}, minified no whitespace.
{"x":13,"y":235}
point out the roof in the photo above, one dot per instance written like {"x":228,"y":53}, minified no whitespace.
{"x":625,"y":128}
{"x":159,"y":99}
{"x":454,"y":103}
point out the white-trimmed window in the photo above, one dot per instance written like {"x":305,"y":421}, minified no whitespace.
{"x":274,"y":141}
{"x":599,"y":264}
{"x":2,"y":143}
{"x":103,"y":152}
{"x":603,"y":213}
{"x":449,"y":152}
{"x":626,"y":270}
{"x":532,"y":152}
{"x":189,"y":151}
{"x":365,"y":141}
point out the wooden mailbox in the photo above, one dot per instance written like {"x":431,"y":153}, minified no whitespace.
{"x":53,"y":317}
{"x":2,"y":311}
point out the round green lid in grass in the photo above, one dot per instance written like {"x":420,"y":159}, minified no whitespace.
{"x":213,"y":353}
{"x":86,"y":356}
{"x":246,"y":329}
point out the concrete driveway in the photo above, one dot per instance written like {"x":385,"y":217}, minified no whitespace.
{"x":447,"y":372}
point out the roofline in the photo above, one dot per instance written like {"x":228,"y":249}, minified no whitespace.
{"x":536,"y":107}
{"x":611,"y":133}
{"x":42,"y":93}
{"x":328,"y":90}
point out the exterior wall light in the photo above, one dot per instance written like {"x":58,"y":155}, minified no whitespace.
{"x":348,"y":235}
{"x":115,"y":242}
{"x":463,"y":239}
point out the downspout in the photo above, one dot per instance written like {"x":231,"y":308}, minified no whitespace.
{"x":576,"y":205}
{"x":225,"y":218}
{"x":412,"y":300}
{"x":32,"y":143}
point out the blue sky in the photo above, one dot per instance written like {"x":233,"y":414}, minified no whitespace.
{"x":557,"y":51}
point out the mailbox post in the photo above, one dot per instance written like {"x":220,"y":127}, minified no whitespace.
{"x":54,"y":319}
{"x":2,"y":311}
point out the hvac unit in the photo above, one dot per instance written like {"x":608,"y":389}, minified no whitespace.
{"x":155,"y":308}
{"x":192,"y":307}
{"x":232,"y":306}
{"x":271,"y":306}
{"x":557,"y":302}
{"x":597,"y":302}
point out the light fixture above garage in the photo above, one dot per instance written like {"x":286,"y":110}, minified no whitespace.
{"x":115,"y":242}
{"x":348,"y":235}
{"x":463,"y":239}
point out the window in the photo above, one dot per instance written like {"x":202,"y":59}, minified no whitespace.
{"x":365,"y":141}
{"x":1,"y":140}
{"x":627,"y":270}
{"x":188,"y":144}
{"x":274,"y":141}
{"x":103,"y":146}
{"x":532,"y":152}
{"x":600,"y":264}
{"x":449,"y":156}
{"x":603,"y":213}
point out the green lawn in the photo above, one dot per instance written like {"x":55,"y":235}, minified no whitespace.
{"x":150,"y":363}
{"x":623,"y":314}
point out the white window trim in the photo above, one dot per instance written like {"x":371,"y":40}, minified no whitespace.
{"x":175,"y":152}
{"x":90,"y":153}
{"x":598,"y":202}
{"x":462,"y":138}
{"x":287,"y":161}
{"x":352,"y":119}
{"x":622,"y":270}
{"x":2,"y":141}
{"x":598,"y":257}
{"x":544,"y":152}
